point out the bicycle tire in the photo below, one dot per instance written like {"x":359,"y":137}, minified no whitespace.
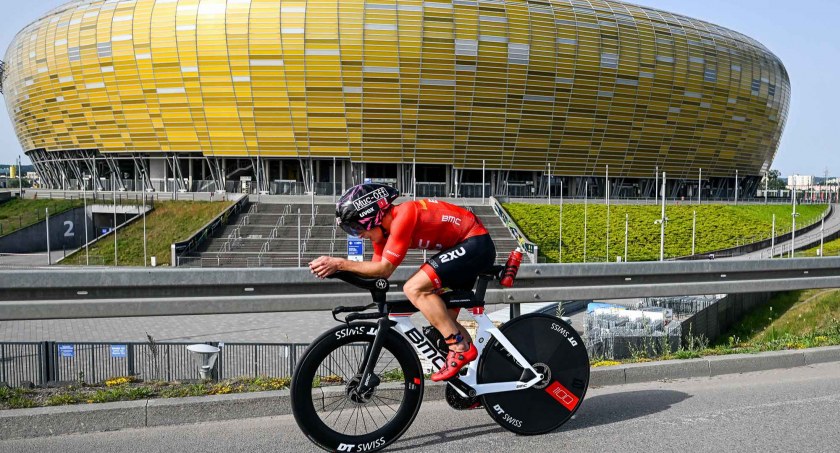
{"x":314,"y":409}
{"x":564,"y":362}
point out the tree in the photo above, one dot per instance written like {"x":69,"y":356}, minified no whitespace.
{"x":775,"y":182}
{"x":13,"y":183}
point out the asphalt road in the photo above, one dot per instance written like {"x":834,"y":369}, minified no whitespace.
{"x":782,"y":410}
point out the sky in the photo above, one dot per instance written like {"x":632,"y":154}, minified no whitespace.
{"x":802,"y":34}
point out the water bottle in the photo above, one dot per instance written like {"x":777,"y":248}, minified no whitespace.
{"x":511,"y":267}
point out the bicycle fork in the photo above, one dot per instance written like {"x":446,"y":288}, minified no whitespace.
{"x":368,"y":380}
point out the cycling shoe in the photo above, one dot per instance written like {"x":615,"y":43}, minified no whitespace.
{"x":454,"y":362}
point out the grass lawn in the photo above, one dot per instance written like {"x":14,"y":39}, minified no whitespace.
{"x":169,"y":222}
{"x":718,"y":227}
{"x":16,"y":214}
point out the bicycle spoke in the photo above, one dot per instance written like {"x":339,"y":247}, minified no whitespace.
{"x":380,"y":411}
{"x":362,"y":413}
{"x":386,"y":404}
{"x":344,"y":400}
{"x":373,"y":420}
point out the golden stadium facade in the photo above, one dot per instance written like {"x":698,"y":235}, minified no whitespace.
{"x":210,"y":90}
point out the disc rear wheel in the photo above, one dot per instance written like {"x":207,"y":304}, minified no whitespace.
{"x":557,"y":352}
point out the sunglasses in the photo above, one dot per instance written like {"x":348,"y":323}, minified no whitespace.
{"x":352,"y":230}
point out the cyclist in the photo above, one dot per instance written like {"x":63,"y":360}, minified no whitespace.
{"x":368,"y":211}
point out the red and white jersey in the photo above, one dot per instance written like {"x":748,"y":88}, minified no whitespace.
{"x":426,"y":224}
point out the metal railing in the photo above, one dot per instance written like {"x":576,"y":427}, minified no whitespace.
{"x":79,"y":293}
{"x":95,"y":362}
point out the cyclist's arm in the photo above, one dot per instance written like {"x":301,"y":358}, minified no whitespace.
{"x":382,"y":269}
{"x":324,"y":266}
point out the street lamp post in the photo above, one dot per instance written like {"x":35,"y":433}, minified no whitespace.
{"x":482,"y":181}
{"x":661,"y":222}
{"x":549,"y":183}
{"x":114,"y":191}
{"x":560,"y":245}
{"x":585,"y":215}
{"x":773,"y":238}
{"x":143,"y":174}
{"x":693,"y":230}
{"x":84,"y":197}
{"x":766,"y":185}
{"x":793,"y":225}
{"x":607,"y":202}
{"x":20,"y":179}
{"x":47,"y":223}
{"x":626,"y":230}
{"x":699,"y":185}
{"x":822,"y":231}
{"x":736,"y":187}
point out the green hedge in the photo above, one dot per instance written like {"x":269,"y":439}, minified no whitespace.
{"x":718,"y":227}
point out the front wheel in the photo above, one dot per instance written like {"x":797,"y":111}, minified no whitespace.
{"x":557,"y":352}
{"x":329,"y":410}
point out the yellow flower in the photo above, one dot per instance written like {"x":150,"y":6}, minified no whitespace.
{"x":605,"y":363}
{"x":118,"y":381}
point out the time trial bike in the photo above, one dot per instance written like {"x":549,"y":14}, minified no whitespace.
{"x":359,"y":386}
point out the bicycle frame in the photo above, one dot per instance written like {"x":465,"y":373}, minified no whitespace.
{"x":486,"y":329}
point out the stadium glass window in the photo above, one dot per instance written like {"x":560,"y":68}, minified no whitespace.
{"x":609,"y":60}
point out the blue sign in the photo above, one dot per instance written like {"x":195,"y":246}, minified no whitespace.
{"x":368,"y":181}
{"x":119,"y":351}
{"x":355,"y":248}
{"x":66,"y":350}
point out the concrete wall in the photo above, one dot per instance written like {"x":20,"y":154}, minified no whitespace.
{"x":67,"y":231}
{"x":717,"y":318}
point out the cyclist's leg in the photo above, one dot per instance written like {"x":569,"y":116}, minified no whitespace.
{"x":453,"y":314}
{"x":421,"y":292}
{"x":455,"y":268}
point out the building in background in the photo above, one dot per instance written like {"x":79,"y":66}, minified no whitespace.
{"x":296,"y":96}
{"x":801,"y":181}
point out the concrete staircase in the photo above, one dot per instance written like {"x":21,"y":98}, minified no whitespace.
{"x":267,"y":236}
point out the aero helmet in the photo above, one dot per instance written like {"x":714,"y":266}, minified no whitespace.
{"x":363,"y":206}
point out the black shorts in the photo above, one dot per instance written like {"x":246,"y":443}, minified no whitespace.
{"x":458,"y":267}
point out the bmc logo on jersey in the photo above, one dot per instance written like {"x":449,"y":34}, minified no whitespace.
{"x":451,"y":219}
{"x":453,"y":255}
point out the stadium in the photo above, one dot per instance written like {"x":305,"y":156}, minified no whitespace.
{"x":436,"y":97}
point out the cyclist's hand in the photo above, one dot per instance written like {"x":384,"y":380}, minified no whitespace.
{"x":324,"y":266}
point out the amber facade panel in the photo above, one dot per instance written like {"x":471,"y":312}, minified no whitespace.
{"x":515,"y":84}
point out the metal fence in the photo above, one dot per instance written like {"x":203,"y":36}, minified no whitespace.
{"x":615,"y":335}
{"x":48,"y":361}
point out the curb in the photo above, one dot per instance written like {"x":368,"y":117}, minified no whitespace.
{"x":52,"y":421}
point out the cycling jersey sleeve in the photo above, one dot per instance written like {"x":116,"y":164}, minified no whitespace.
{"x":399,"y":239}
{"x":377,"y":252}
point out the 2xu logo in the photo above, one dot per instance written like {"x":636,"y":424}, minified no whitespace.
{"x":453,"y":255}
